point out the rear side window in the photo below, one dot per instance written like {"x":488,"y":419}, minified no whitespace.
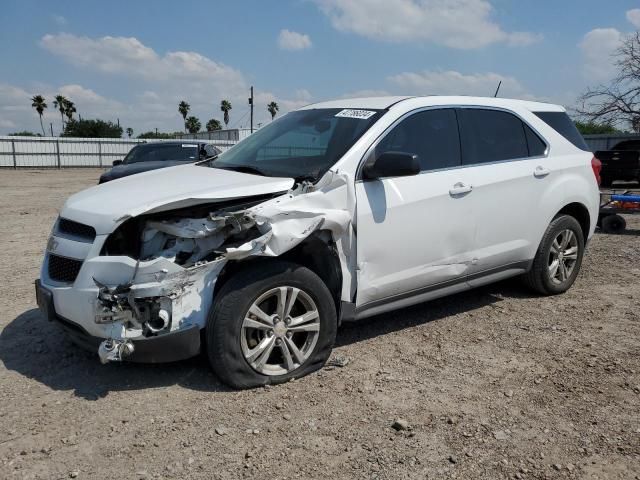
{"x":491,"y":136}
{"x":562,"y":124}
{"x":430,"y":134}
{"x":535,"y":144}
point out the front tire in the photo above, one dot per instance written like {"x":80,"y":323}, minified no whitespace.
{"x":271,"y":322}
{"x":559,"y":257}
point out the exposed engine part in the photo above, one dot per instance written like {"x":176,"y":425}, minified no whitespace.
{"x":161,"y":322}
{"x":112,"y":350}
{"x":150,"y":315}
{"x":187,"y":241}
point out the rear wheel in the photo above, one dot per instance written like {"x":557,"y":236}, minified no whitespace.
{"x":559,"y":257}
{"x":270,"y":324}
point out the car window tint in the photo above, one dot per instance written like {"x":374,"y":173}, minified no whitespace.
{"x":162,"y":153}
{"x":536,"y":146}
{"x":491,"y":136}
{"x":562,"y":124}
{"x":430,"y":134}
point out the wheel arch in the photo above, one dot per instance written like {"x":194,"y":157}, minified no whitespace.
{"x":317,"y":252}
{"x":580,"y":212}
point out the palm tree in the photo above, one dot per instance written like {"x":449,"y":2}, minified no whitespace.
{"x":225,"y":106}
{"x":193,"y":124}
{"x":183,"y":108}
{"x":273,"y":108}
{"x":213,"y":125}
{"x":69,"y":109}
{"x":39,"y":104}
{"x":60,"y":102}
{"x":129,"y":132}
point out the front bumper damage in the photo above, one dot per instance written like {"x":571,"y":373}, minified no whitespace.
{"x":179,"y":345}
{"x":152,"y":309}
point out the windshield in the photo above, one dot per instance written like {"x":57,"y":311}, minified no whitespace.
{"x":163,"y":153}
{"x":303,"y":144}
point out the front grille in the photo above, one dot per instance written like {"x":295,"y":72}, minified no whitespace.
{"x":75,"y":229}
{"x":62,"y":269}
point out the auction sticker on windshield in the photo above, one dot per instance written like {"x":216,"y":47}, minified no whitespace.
{"x":349,"y":113}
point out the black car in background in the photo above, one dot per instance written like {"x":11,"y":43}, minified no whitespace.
{"x":151,"y":156}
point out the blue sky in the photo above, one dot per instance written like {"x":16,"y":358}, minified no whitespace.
{"x":135,"y":60}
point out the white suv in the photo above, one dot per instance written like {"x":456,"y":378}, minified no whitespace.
{"x":335,"y":212}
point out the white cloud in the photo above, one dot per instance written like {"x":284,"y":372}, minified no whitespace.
{"x":597,"y":48}
{"x":634,"y":17}
{"x":59,"y":20}
{"x":464,"y":24}
{"x":288,"y":40}
{"x":163,"y":81}
{"x":455,"y":83}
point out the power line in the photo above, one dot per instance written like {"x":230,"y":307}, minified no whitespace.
{"x":240,"y":119}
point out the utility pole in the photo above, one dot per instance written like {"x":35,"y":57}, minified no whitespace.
{"x":51,"y":127}
{"x":251,"y":107}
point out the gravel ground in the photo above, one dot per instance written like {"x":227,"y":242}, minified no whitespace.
{"x":493,"y":383}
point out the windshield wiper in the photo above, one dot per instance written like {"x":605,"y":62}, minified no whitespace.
{"x":242,"y":168}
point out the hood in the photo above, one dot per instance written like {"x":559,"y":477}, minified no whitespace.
{"x":120,"y":171}
{"x":107,"y":204}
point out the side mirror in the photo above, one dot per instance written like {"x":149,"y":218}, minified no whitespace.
{"x":117,"y":162}
{"x":392,"y":164}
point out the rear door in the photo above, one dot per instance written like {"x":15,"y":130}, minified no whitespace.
{"x":505,"y":162}
{"x":415,"y":233}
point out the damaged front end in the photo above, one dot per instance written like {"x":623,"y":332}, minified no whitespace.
{"x":175,"y":258}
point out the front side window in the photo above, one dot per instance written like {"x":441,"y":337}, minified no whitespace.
{"x":491,"y":136}
{"x":432,"y":135}
{"x":303,"y":144}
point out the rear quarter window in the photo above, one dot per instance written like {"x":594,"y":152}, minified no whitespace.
{"x":562,"y":124}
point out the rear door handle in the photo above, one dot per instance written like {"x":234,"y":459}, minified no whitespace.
{"x":460,"y":189}
{"x":541,"y":172}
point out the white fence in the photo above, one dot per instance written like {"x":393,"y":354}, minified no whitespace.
{"x":62,"y":152}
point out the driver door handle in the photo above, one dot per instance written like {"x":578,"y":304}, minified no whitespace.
{"x":460,"y":189}
{"x":541,"y":172}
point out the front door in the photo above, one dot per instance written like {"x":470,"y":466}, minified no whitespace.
{"x":415,"y":233}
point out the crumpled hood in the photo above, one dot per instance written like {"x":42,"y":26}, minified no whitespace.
{"x":105,"y":205}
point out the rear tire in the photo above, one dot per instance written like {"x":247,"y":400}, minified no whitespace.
{"x":613,"y":224}
{"x":250,"y":345}
{"x":559,"y":257}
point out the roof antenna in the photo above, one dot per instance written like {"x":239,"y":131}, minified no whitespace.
{"x":497,"y":89}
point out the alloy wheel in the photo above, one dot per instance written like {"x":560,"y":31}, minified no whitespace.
{"x":280,"y":330}
{"x":563,"y":256}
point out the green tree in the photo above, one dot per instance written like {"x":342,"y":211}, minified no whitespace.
{"x":92,"y":129}
{"x":594,"y":128}
{"x":60,"y":102}
{"x":183,"y":108}
{"x":273,"y":108}
{"x":129,"y":132}
{"x":160,"y":135}
{"x":193,"y":124}
{"x":38,"y":102}
{"x":69,"y":109}
{"x":225,"y":106}
{"x":24,"y":133}
{"x":213,"y":125}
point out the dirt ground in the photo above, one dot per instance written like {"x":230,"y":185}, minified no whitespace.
{"x":493,"y":383}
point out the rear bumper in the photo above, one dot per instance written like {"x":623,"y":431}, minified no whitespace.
{"x":170,"y":347}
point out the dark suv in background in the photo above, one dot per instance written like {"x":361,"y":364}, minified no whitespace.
{"x":151,"y":156}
